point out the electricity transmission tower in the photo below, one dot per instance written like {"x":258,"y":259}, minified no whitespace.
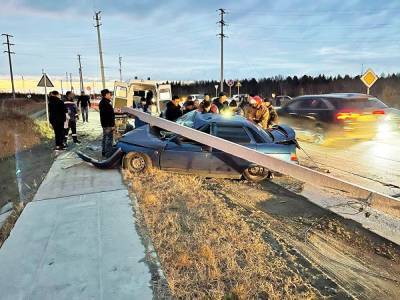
{"x":222,"y":24}
{"x":98,"y":24}
{"x":9,"y":60}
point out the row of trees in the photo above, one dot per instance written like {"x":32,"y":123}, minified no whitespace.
{"x":387,"y":87}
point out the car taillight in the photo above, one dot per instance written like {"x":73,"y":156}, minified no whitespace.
{"x":293,"y":156}
{"x":379,"y":112}
{"x":346,"y":116}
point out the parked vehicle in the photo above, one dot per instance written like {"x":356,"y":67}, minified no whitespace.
{"x":128,"y":94}
{"x":335,"y":116}
{"x":281,"y":100}
{"x":148,"y":147}
{"x":199,"y":97}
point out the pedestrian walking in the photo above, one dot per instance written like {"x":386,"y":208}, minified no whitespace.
{"x":173,"y":110}
{"x":84,"y":104}
{"x":72,"y":111}
{"x":57,"y":118}
{"x":107,"y":120}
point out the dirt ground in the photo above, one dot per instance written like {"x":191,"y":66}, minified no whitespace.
{"x":238,"y":240}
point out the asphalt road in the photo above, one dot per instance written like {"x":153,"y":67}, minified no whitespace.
{"x":374,"y":164}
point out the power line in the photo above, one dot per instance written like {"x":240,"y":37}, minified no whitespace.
{"x":222,"y":24}
{"x":9,"y":60}
{"x":98,"y":24}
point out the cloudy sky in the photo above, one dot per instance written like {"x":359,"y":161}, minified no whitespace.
{"x":176,"y":39}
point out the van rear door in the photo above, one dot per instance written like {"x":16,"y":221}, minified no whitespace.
{"x":164,"y":95}
{"x":120,"y":96}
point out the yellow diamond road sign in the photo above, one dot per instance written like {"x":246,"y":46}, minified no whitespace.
{"x":369,"y":78}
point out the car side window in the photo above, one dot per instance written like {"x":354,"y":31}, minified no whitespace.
{"x":257,"y":137}
{"x":295,"y":105}
{"x":235,"y":134}
{"x":313,"y":103}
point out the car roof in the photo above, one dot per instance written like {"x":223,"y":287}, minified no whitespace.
{"x":221,"y":119}
{"x":337,"y":96}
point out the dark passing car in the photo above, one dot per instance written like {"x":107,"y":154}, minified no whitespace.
{"x":337,"y":116}
{"x":147,"y":147}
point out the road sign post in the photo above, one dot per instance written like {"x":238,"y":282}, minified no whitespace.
{"x":369,"y":78}
{"x":238,"y":85}
{"x":230,"y":83}
{"x":45,"y":82}
{"x":216,"y":90}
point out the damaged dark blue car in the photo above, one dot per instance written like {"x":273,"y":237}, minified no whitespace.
{"x":149,"y":147}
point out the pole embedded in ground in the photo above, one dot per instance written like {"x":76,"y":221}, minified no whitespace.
{"x":9,"y":60}
{"x":98,"y":24}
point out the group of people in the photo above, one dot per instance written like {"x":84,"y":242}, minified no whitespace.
{"x":63,"y":115}
{"x":254,"y":108}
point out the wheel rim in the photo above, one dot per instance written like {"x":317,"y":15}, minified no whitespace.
{"x":137,"y":163}
{"x":257,"y":171}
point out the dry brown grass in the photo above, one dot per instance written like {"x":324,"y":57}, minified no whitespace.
{"x":205,"y":248}
{"x":10,"y":222}
{"x":18,"y":133}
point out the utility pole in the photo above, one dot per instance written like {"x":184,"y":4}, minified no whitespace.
{"x":70,"y":81}
{"x":62,"y":90}
{"x":98,"y":24}
{"x":23,"y":84}
{"x":222,"y":24}
{"x":120,"y":68}
{"x":80,"y":73}
{"x":9,"y":60}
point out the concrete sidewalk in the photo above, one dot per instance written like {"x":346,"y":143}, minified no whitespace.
{"x":76,"y":240}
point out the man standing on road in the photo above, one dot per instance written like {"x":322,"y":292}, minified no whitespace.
{"x":73,"y":115}
{"x":84,"y":101}
{"x":57,"y":117}
{"x":257,"y":112}
{"x":173,"y":110}
{"x":107,"y":119}
{"x":221,"y":102}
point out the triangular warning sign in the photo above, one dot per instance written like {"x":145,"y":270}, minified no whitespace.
{"x":48,"y":82}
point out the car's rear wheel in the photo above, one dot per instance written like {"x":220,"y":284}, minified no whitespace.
{"x":135,"y":162}
{"x":256,"y":173}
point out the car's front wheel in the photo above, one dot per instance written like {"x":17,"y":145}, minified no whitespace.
{"x":135,"y":162}
{"x":256,"y":173}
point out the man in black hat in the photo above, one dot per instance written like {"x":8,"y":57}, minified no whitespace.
{"x":221,"y":102}
{"x":107,"y":119}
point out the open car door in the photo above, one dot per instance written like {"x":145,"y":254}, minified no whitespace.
{"x":120,"y":96}
{"x":164,"y":95}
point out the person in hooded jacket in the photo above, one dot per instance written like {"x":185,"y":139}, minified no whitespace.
{"x":72,"y":110}
{"x":57,"y":118}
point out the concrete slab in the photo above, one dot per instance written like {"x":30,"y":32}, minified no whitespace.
{"x":68,"y":177}
{"x":79,"y":247}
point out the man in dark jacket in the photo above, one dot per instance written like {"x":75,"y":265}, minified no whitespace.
{"x":173,"y":110}
{"x":73,"y":115}
{"x":107,"y":119}
{"x":84,"y":101}
{"x":57,"y":117}
{"x":221,"y":102}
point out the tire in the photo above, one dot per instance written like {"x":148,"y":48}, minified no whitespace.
{"x":136,"y":163}
{"x":256,"y":173}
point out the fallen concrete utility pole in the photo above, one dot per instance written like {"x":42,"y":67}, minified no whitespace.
{"x":375,"y":199}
